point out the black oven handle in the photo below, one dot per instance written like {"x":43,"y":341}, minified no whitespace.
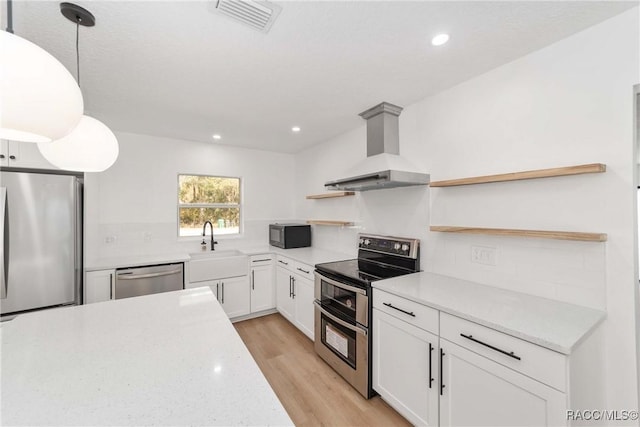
{"x":340,"y":284}
{"x":340,"y":321}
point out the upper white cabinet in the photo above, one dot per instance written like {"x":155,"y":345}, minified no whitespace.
{"x":98,"y":286}
{"x":22,"y":155}
{"x":263,"y":291}
{"x":295,"y":293}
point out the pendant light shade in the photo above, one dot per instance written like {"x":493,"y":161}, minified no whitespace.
{"x":39,"y":99}
{"x":91,"y":147}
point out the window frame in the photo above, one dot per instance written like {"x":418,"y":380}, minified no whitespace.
{"x":240,"y":205}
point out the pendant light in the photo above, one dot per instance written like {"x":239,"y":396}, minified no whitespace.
{"x":91,"y":146}
{"x":39,"y":99}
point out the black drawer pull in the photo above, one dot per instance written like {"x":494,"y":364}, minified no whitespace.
{"x":261,"y":260}
{"x":304,"y":271}
{"x":507,"y":353}
{"x":282,"y":262}
{"x":410,"y":313}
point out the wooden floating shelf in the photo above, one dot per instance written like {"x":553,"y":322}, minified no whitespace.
{"x":331,"y":195}
{"x":323,"y":222}
{"x":516,"y":176}
{"x":559,"y":235}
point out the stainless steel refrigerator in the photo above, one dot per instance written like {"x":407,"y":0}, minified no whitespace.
{"x":41,"y":241}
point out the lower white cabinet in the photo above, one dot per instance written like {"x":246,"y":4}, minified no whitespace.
{"x":405,"y":368}
{"x":232,"y":293}
{"x":295,"y":294}
{"x":460,"y":373}
{"x":98,"y":286}
{"x":478,"y":391}
{"x":263,"y":291}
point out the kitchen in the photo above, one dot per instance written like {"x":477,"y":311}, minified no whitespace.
{"x":565,"y":100}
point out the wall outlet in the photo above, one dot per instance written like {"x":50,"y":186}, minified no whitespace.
{"x":147,"y":237}
{"x":110,"y":239}
{"x":483,"y":255}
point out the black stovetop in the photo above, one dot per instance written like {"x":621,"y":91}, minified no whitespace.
{"x":362,"y":271}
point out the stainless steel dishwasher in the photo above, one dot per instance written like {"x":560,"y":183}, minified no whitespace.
{"x":137,"y":281}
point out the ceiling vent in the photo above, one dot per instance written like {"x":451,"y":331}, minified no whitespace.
{"x":259,"y":15}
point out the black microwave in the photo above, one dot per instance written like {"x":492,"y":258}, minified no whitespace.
{"x":288,"y":236}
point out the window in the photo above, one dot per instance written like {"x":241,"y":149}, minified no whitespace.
{"x":204,"y":198}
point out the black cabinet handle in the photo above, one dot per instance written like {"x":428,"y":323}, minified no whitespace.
{"x":293,"y":282}
{"x":290,"y":286}
{"x":410,"y":313}
{"x":441,"y":379}
{"x":261,"y":260}
{"x":282,"y":262}
{"x":218,"y":291}
{"x":1,"y":156}
{"x":507,"y":353}
{"x":223,"y":292}
{"x":304,"y":271}
{"x":253,"y":279}
{"x":430,"y":374}
{"x":12,"y":157}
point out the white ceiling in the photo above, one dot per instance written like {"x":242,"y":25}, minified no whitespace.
{"x":177,"y":69}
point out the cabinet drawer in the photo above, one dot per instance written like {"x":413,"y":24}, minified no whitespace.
{"x":261,"y":259}
{"x":303,"y":270}
{"x":411,"y":312}
{"x":540,"y":363}
{"x":285,"y":262}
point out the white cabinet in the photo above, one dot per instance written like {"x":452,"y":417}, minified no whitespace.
{"x":481,"y":392}
{"x":98,"y":286}
{"x":439,"y":369}
{"x":295,"y":294}
{"x":405,"y":368}
{"x":263,"y":291}
{"x":22,"y":155}
{"x":232,"y":293}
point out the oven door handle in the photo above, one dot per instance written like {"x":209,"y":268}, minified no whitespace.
{"x":340,"y":284}
{"x":340,"y":321}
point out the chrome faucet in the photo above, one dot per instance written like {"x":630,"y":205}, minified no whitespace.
{"x":204,"y":230}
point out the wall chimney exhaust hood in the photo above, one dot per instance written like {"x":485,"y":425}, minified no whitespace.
{"x":383,"y":167}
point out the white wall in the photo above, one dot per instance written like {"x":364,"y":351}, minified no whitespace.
{"x":135,"y":200}
{"x":567,"y":104}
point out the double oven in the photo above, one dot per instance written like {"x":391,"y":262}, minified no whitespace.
{"x":343,"y":303}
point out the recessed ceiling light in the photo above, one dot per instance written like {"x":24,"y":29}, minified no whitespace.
{"x":216,"y":136}
{"x":295,"y":129}
{"x":440,"y":39}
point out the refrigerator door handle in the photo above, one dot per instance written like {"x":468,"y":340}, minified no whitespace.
{"x":4,"y":246}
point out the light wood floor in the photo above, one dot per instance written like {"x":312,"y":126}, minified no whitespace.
{"x":311,"y":392}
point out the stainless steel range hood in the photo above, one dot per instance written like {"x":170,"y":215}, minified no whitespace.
{"x":383,"y":167}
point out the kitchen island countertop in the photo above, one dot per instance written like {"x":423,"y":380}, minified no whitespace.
{"x":165,"y":359}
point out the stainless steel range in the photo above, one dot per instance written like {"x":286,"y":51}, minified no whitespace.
{"x":343,"y":303}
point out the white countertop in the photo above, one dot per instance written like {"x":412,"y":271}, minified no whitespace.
{"x":135,"y":261}
{"x":552,"y":324}
{"x":165,"y":359}
{"x":310,"y":256}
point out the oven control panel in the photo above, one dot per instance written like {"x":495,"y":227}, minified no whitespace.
{"x":389,"y":245}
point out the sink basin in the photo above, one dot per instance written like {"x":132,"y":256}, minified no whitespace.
{"x":213,"y":265}
{"x":216,"y":254}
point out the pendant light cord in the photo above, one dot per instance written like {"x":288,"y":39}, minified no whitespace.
{"x":78,"y":49}
{"x":9,"y":17}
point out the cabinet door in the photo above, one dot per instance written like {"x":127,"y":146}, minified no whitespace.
{"x":263,"y":296}
{"x":284,"y":302}
{"x":98,"y":286}
{"x":27,"y":155}
{"x":405,"y":368}
{"x":478,"y":391}
{"x":4,"y":152}
{"x":234,"y":296}
{"x":303,"y":296}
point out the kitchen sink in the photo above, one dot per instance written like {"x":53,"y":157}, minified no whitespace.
{"x":216,"y":254}
{"x":212,"y":265}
